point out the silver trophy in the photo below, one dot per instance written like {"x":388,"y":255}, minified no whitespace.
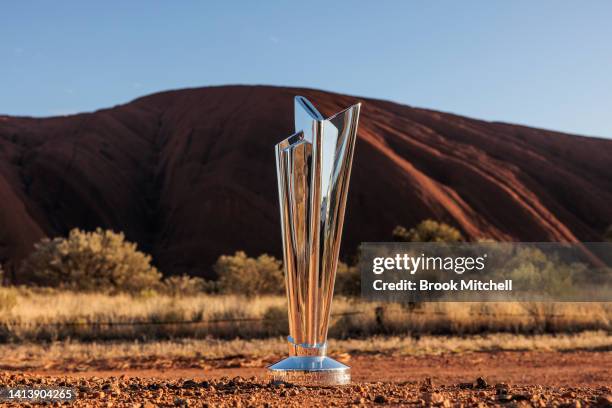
{"x":313,"y":167}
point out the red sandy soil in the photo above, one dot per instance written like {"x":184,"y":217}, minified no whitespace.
{"x":524,"y":368}
{"x":510,"y":378}
{"x":190,"y":175}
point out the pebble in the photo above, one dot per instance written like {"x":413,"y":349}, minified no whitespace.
{"x":481,"y":383}
{"x":604,"y":401}
{"x":380,"y":399}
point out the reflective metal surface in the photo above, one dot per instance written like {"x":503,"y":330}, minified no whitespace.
{"x":310,"y":371}
{"x":313,"y":167}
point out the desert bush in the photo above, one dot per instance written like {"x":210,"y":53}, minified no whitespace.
{"x":184,"y":285}
{"x":532,"y":268}
{"x":348,"y":280}
{"x":241,"y":274}
{"x":99,"y":260}
{"x":427,"y":231}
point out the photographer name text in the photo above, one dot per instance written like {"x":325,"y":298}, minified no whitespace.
{"x":451,"y":285}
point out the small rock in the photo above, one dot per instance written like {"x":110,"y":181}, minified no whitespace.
{"x":604,"y":400}
{"x":237,"y":380}
{"x":504,"y":397}
{"x":481,"y":383}
{"x":433,"y":398}
{"x":380,"y":399}
{"x":573,"y":404}
{"x":111,"y":388}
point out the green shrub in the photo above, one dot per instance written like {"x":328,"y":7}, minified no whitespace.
{"x":99,"y":260}
{"x":427,"y":231}
{"x":249,"y":276}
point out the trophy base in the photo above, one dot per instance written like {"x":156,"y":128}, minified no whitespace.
{"x":310,"y":371}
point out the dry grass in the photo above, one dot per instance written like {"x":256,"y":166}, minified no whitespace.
{"x":50,"y":315}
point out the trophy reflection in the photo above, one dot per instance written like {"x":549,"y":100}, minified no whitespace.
{"x":313,"y":168}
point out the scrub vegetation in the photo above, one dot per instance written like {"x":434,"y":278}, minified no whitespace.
{"x":427,"y":231}
{"x":97,"y":286}
{"x":90,"y":261}
{"x":50,"y":314}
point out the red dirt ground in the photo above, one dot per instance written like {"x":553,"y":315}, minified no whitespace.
{"x":525,"y":379}
{"x":524,"y":368}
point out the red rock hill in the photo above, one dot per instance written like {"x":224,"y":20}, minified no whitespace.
{"x":190,"y":175}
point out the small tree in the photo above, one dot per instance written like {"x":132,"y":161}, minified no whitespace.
{"x":428,"y":231}
{"x":249,"y":276}
{"x":96,"y":260}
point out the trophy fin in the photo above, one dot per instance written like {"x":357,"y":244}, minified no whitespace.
{"x":339,"y":134}
{"x":305,"y":117}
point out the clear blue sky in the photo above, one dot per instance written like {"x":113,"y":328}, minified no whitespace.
{"x":541,"y":63}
